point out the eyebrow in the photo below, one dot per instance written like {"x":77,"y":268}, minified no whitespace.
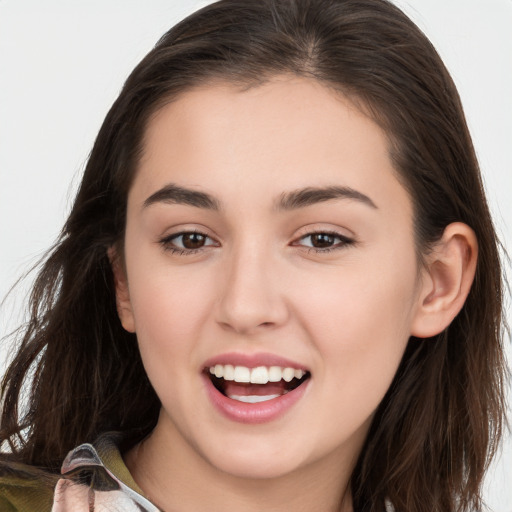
{"x":174,"y":194}
{"x":312,"y":195}
{"x":295,"y":199}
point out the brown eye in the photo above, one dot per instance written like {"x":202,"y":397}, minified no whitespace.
{"x":187,"y":242}
{"x":193,"y":240}
{"x":322,"y":240}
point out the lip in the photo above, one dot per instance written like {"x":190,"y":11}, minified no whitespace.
{"x":261,"y":412}
{"x":253,"y":361}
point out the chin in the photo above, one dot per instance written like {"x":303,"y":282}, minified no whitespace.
{"x":256,"y":468}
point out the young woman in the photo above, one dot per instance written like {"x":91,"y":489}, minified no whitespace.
{"x":279,"y":285}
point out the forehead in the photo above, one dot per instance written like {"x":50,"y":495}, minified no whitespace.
{"x":286,"y":134}
{"x":283,"y":101}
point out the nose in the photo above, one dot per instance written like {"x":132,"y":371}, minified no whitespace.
{"x":253,"y":292}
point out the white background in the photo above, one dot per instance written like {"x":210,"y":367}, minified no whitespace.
{"x":63,"y":62}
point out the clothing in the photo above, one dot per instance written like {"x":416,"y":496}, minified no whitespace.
{"x":93,"y":478}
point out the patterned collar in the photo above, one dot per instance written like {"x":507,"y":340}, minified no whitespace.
{"x":95,"y":478}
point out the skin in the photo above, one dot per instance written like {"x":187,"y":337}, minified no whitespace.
{"x":258,"y":286}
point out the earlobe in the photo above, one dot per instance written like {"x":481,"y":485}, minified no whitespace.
{"x":447,"y":278}
{"x":123,"y":304}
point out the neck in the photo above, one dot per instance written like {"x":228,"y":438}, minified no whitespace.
{"x":174,"y":477}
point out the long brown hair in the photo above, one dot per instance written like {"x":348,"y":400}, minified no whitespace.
{"x":438,"y":425}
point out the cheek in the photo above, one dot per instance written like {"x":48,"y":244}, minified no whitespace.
{"x":360,"y":322}
{"x":170,"y":316}
{"x":170,"y":308}
{"x":348,"y":302}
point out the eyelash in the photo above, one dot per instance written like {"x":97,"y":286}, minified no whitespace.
{"x":344,"y":241}
{"x":167,"y":241}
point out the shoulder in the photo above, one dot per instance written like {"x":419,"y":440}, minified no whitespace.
{"x":25,"y":488}
{"x":96,"y":474}
{"x":91,"y":475}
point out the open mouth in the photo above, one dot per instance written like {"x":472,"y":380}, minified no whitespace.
{"x":255,"y":385}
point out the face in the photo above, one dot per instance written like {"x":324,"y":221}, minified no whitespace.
{"x":268,"y":238}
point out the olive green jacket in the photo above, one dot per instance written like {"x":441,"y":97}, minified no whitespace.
{"x":93,"y":478}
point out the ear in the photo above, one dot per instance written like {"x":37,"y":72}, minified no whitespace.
{"x":123,"y":304}
{"x":447,"y":277}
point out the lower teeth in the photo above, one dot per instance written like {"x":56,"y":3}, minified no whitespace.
{"x":252,"y":399}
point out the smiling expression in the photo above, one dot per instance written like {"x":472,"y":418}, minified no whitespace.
{"x":267,"y":228}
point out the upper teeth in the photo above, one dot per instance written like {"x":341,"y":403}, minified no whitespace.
{"x":258,"y":375}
